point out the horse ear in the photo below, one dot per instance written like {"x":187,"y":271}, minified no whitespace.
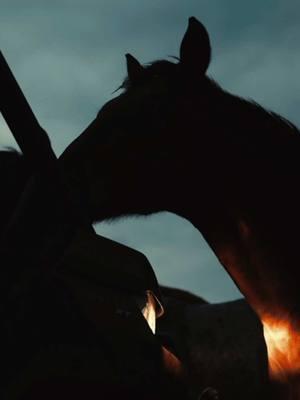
{"x":195,"y":50}
{"x":135,"y":70}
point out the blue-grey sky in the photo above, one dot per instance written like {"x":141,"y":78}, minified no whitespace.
{"x":68,"y":56}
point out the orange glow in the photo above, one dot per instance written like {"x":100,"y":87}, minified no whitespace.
{"x":149,"y":312}
{"x":171,"y":363}
{"x":283,"y":345}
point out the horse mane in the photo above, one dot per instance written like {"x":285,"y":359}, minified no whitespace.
{"x":263,"y":134}
{"x":14,"y":172}
{"x":169,"y":70}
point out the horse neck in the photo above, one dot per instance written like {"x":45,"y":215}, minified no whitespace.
{"x":252,"y":225}
{"x":249,"y":209}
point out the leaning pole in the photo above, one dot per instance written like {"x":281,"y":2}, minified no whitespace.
{"x":30,"y":136}
{"x":33,"y":140}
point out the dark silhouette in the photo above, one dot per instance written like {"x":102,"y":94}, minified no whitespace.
{"x":221,"y":345}
{"x":67,"y":322}
{"x":14,"y":172}
{"x":203,"y":338}
{"x":174,"y":140}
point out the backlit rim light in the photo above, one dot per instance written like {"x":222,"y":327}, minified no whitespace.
{"x":149,"y":311}
{"x":283,"y":346}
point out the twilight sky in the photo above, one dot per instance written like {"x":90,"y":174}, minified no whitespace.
{"x":68,"y":57}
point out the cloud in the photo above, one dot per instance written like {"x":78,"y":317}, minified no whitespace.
{"x":264,"y":70}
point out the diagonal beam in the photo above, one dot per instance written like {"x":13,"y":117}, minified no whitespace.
{"x":30,"y":136}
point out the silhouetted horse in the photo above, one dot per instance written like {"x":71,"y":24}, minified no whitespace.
{"x":174,"y":140}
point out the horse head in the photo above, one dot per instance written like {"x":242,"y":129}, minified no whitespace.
{"x":174,"y":140}
{"x":144,"y":146}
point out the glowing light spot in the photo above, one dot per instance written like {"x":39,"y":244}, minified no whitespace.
{"x":283,"y":345}
{"x":149,"y":311}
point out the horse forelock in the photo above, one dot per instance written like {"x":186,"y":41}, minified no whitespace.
{"x":158,"y":68}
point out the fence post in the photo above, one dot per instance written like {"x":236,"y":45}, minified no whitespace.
{"x":30,"y":136}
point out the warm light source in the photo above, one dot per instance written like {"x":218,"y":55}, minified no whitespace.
{"x":148,"y":307}
{"x":283,"y":345}
{"x":149,"y":311}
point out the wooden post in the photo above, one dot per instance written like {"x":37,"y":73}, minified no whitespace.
{"x":50,"y":205}
{"x":34,"y":141}
{"x":30,"y":136}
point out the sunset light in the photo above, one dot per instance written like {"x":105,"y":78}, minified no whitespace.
{"x":283,"y":345}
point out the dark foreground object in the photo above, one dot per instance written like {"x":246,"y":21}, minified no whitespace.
{"x":221,"y":345}
{"x":68,"y":334}
{"x":65,"y":333}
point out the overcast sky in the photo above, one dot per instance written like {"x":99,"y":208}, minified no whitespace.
{"x":68,"y":57}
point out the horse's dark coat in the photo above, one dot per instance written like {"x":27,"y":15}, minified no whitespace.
{"x":175,"y":141}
